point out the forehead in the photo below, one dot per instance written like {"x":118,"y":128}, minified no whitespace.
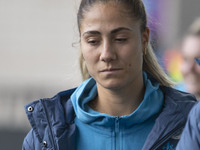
{"x":103,"y":15}
{"x":191,"y":46}
{"x":120,"y":8}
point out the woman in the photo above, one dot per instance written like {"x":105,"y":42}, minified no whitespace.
{"x":190,"y":138}
{"x":126,"y":103}
{"x":191,"y":49}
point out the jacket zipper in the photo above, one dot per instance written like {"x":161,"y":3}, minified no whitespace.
{"x":117,"y":140}
{"x":51,"y":133}
{"x":165,"y":138}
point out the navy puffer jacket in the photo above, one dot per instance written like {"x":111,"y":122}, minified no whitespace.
{"x":53,"y":127}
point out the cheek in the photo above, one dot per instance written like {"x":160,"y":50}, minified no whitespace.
{"x":89,"y":55}
{"x":184,"y":67}
{"x":85,"y":53}
{"x":84,"y":50}
{"x":85,"y":57}
{"x":136,"y":58}
{"x":134,"y":61}
{"x":197,"y":67}
{"x":89,"y":59}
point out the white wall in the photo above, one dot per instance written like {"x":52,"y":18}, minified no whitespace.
{"x":36,"y":54}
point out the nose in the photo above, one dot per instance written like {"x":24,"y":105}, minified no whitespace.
{"x":108,"y":52}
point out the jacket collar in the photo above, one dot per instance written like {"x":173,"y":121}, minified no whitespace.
{"x":52,"y":119}
{"x":172,"y":118}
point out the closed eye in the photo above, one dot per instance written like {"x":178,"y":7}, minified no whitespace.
{"x":92,"y":42}
{"x":121,"y":39}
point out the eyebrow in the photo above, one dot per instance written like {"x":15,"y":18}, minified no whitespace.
{"x":91,"y":32}
{"x":120,"y":29}
{"x":112,"y":32}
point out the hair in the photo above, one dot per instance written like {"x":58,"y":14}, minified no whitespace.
{"x":137,"y":10}
{"x":194,"y":29}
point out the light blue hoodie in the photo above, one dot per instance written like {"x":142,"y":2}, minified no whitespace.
{"x":98,"y":131}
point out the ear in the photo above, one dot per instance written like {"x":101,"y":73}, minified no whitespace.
{"x":145,"y":38}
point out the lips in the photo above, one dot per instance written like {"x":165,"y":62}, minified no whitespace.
{"x":111,"y":69}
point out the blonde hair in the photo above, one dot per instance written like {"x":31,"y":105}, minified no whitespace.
{"x":152,"y":67}
{"x":195,"y":28}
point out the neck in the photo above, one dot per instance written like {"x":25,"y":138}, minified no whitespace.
{"x":118,"y":102}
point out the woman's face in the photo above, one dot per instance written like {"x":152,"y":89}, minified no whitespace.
{"x":112,"y":46}
{"x":190,"y":69}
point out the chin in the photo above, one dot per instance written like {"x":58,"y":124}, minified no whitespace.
{"x":112,"y":87}
{"x":112,"y":84}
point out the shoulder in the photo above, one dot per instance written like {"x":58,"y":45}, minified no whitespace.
{"x":177,"y":95}
{"x":49,"y":107}
{"x":172,"y":117}
{"x":193,"y":122}
{"x":181,"y":100}
{"x":177,"y":104}
{"x":59,"y":100}
{"x":194,"y":116}
{"x":30,"y":141}
{"x":190,"y":137}
{"x":43,"y":114}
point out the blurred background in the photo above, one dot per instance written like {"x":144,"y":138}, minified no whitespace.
{"x":39,"y":52}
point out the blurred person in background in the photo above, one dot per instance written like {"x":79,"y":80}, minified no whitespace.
{"x":126,"y":100}
{"x":191,"y":49}
{"x":190,"y":139}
